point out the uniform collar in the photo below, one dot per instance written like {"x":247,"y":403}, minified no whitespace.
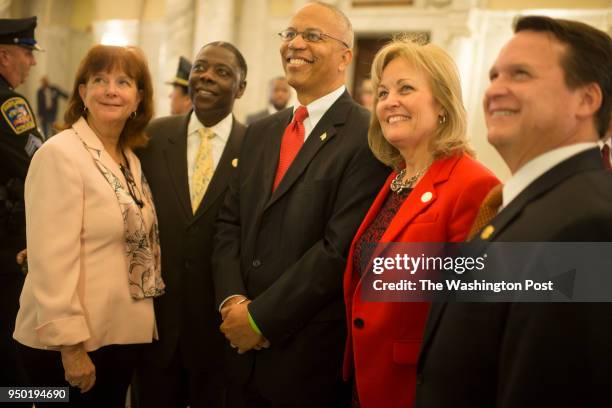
{"x":3,"y":81}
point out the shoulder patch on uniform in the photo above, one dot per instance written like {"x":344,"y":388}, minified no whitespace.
{"x":17,"y":114}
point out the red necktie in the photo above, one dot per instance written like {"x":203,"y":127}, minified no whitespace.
{"x":605,"y":155}
{"x":293,"y":139}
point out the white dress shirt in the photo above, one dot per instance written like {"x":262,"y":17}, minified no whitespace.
{"x":538,"y":166}
{"x":222,"y":131}
{"x":317,"y":108}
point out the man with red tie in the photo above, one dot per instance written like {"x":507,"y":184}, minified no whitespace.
{"x":305,"y":180}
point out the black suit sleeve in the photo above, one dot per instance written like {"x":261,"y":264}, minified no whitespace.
{"x":227,"y":277}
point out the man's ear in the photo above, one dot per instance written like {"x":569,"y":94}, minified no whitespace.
{"x":347,"y":57}
{"x":241,"y":89}
{"x":591,"y":99}
{"x":3,"y":56}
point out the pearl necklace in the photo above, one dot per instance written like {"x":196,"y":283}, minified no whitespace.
{"x":397,"y":184}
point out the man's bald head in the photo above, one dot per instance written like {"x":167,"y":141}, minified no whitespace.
{"x":345,"y":24}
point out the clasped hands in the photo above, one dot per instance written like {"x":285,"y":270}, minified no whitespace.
{"x":237,"y":329}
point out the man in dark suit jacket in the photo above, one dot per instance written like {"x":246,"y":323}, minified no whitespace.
{"x":184,"y":367}
{"x":280,"y":253}
{"x":279,"y":94}
{"x":544,"y":110}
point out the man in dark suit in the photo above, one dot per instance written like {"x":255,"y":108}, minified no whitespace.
{"x":284,"y":230}
{"x":279,"y":94}
{"x":184,"y":366}
{"x":545,"y":109}
{"x":47,"y":98}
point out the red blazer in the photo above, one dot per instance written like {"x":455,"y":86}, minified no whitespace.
{"x":382,"y":354}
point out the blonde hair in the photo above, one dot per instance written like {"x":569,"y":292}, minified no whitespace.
{"x":450,"y":136}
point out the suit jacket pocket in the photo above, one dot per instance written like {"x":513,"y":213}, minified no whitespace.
{"x":426,"y":217}
{"x":406,"y":352}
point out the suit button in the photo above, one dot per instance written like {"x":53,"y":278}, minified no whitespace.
{"x":256,"y":263}
{"x":420,"y":379}
{"x":187,"y":264}
{"x":358,"y":323}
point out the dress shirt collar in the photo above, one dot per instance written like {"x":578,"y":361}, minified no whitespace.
{"x":271,"y":109}
{"x":317,"y":108}
{"x":222,"y":129}
{"x":607,"y":142}
{"x":538,"y":166}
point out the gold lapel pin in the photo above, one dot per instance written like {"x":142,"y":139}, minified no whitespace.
{"x":426,"y":197}
{"x":323,"y":136}
{"x":235,"y":162}
{"x":487,"y":232}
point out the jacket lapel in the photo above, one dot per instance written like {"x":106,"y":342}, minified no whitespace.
{"x":588,"y":160}
{"x":95,"y":146}
{"x":585,"y":161}
{"x":222,"y":173}
{"x":175,"y":154}
{"x":274,"y":137}
{"x":335,"y":116}
{"x":421,"y":198}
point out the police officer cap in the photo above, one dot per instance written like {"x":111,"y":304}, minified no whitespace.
{"x":19,"y":31}
{"x":182,"y":73}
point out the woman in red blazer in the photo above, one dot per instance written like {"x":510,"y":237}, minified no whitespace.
{"x":418,"y":128}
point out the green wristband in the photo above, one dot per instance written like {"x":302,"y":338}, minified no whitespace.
{"x":253,"y":324}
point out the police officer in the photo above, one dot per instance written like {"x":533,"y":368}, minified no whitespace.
{"x":180,"y":101}
{"x":19,"y":139}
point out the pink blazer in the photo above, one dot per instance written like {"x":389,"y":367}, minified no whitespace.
{"x":77,"y":286}
{"x":382,"y":352}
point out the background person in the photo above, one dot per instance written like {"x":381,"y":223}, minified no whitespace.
{"x":279,"y":94}
{"x":433,"y":195}
{"x":180,"y":101}
{"x":93,"y":251}
{"x":366,"y":94}
{"x":47,"y":98}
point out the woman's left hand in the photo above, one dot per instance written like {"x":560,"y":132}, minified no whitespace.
{"x":79,"y":370}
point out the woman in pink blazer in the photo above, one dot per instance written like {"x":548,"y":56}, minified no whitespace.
{"x":418,"y":128}
{"x":93,"y":249}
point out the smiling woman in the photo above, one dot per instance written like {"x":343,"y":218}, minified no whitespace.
{"x":417,"y":128}
{"x":86,"y":306}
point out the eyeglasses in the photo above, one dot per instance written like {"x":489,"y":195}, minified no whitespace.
{"x":312,"y":36}
{"x":131,"y":185}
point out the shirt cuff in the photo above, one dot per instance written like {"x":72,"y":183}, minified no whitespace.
{"x":228,"y":298}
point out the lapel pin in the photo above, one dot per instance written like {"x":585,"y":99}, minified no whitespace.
{"x":426,"y":197}
{"x":487,"y":232}
{"x":323,"y":136}
{"x":235,"y":162}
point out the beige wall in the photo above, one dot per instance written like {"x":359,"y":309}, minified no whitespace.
{"x":82,"y":14}
{"x":547,"y":4}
